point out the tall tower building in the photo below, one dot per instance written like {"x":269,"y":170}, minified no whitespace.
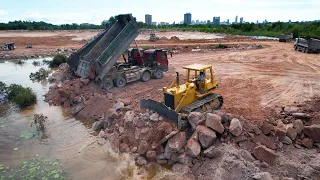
{"x":241,"y":20}
{"x":148,"y":19}
{"x":187,"y":18}
{"x":236,"y":20}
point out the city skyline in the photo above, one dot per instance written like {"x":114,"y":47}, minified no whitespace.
{"x":66,"y":11}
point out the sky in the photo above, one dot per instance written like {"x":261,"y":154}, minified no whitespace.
{"x":95,"y":11}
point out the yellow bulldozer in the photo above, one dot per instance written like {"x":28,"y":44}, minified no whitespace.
{"x":197,"y":94}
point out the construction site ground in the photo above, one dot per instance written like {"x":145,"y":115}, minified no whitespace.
{"x":253,"y":81}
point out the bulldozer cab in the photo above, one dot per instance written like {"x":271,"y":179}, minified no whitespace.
{"x":201,"y":75}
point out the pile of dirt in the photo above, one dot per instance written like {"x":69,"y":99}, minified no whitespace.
{"x":217,"y":144}
{"x":174,"y":38}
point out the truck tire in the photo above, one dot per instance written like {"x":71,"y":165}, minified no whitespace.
{"x":146,"y":76}
{"x":158,"y":74}
{"x":106,"y":84}
{"x":120,"y":82}
{"x":296,"y":48}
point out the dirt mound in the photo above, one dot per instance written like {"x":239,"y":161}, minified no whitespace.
{"x":174,"y":38}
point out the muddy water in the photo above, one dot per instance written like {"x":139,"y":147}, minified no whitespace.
{"x":66,"y":138}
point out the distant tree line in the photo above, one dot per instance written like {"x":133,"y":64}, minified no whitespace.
{"x":306,"y":29}
{"x":309,"y":29}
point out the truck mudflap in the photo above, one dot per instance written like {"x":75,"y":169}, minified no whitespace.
{"x":162,"y":110}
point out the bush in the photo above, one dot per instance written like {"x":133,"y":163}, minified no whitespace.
{"x":57,"y":60}
{"x":2,"y":87}
{"x":42,"y":74}
{"x":23,"y":97}
{"x":220,"y":46}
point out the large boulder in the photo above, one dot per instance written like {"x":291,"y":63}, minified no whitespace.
{"x":307,"y":142}
{"x":195,"y":118}
{"x":76,"y":109}
{"x":313,"y":132}
{"x":292,"y":133}
{"x":206,"y":136}
{"x":176,"y":143}
{"x":128,"y":119}
{"x":266,"y":128}
{"x":213,"y":121}
{"x":298,"y":125}
{"x":235,"y":127}
{"x":264,"y":154}
{"x":151,"y":154}
{"x":97,"y":125}
{"x":112,"y":113}
{"x":212,"y":152}
{"x":118,"y":105}
{"x":154,"y":117}
{"x":193,"y":148}
{"x":185,"y":159}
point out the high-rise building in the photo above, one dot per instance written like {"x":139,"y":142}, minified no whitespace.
{"x":154,"y":23}
{"x":241,"y":20}
{"x":208,"y":21}
{"x":236,"y":20}
{"x":187,"y":18}
{"x":257,"y":21}
{"x":148,"y":19}
{"x":216,"y":20}
{"x":197,"y":21}
{"x":228,"y":22}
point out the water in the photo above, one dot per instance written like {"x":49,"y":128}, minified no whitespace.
{"x":263,"y":37}
{"x":67,"y":139}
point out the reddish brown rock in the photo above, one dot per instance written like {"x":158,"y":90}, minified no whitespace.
{"x":143,"y":147}
{"x":66,"y":104}
{"x":185,"y":159}
{"x":151,"y":154}
{"x":280,"y":130}
{"x":206,"y":136}
{"x":266,"y":141}
{"x":112,"y":113}
{"x":165,"y":127}
{"x":212,"y":152}
{"x":176,"y":143}
{"x":292,"y":133}
{"x":264,"y":154}
{"x":298,"y":125}
{"x":213,"y":121}
{"x":313,"y":132}
{"x":193,"y":148}
{"x":195,"y":118}
{"x":307,"y":142}
{"x":266,"y":128}
{"x":84,"y":81}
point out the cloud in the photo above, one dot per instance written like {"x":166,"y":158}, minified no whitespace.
{"x":269,"y":3}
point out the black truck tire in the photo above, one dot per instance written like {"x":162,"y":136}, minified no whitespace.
{"x":106,"y":84}
{"x":158,"y":74}
{"x":146,"y":76}
{"x":120,"y":82}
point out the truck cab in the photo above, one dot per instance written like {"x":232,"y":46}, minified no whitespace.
{"x":156,"y":58}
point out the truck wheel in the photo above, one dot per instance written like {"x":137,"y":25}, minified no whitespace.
{"x":158,"y":74}
{"x":305,"y":50}
{"x":146,"y":76}
{"x":106,"y":84}
{"x":120,"y":82}
{"x":296,"y":48}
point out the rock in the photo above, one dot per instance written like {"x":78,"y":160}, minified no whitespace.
{"x":291,"y":109}
{"x":240,"y":139}
{"x":301,"y":115}
{"x":307,"y":142}
{"x":167,"y":137}
{"x":298,"y":125}
{"x":280,"y":130}
{"x":141,"y":161}
{"x":262,"y":176}
{"x":291,"y":133}
{"x":102,"y":134}
{"x":162,"y":161}
{"x":266,"y":128}
{"x":185,"y":159}
{"x":287,"y":141}
{"x":214,"y":122}
{"x":112,"y":113}
{"x":126,"y":101}
{"x":224,"y":117}
{"x":128,"y":119}
{"x":235,"y":127}
{"x":66,"y":104}
{"x":84,"y":81}
{"x":110,"y":96}
{"x":313,"y":132}
{"x":265,"y":154}
{"x":212,"y":152}
{"x":76,"y":109}
{"x":246,"y":155}
{"x":134,"y":149}
{"x":265,"y":140}
{"x":154,"y":117}
{"x":315,"y":166}
{"x":151,"y":154}
{"x":176,"y":143}
{"x":123,"y":147}
{"x":193,"y":148}
{"x":181,"y":169}
{"x":138,"y":122}
{"x":165,"y":127}
{"x":97,"y":125}
{"x":206,"y":136}
{"x":118,"y":106}
{"x":121,"y":130}
{"x":143,"y":147}
{"x":195,"y":118}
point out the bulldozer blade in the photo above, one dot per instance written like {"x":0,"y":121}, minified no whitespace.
{"x":162,"y":110}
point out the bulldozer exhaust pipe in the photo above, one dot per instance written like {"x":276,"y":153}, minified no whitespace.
{"x":177,"y":80}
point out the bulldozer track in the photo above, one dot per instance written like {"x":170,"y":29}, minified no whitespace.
{"x":188,"y":109}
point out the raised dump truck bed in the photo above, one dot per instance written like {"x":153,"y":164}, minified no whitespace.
{"x":307,"y":45}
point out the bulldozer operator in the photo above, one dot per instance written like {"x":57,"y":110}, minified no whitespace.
{"x":199,"y":79}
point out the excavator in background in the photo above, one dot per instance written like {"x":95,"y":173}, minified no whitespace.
{"x":197,"y":94}
{"x":97,"y":60}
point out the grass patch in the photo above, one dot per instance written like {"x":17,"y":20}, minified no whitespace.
{"x":57,"y":60}
{"x":220,"y":46}
{"x":146,"y":47}
{"x":22,"y":96}
{"x":41,"y":74}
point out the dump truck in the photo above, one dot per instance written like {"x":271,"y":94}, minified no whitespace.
{"x":285,"y":37}
{"x":97,"y":60}
{"x":198,"y":93}
{"x":8,"y":47}
{"x":307,"y":45}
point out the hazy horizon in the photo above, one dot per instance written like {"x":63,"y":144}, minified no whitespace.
{"x":67,"y":11}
